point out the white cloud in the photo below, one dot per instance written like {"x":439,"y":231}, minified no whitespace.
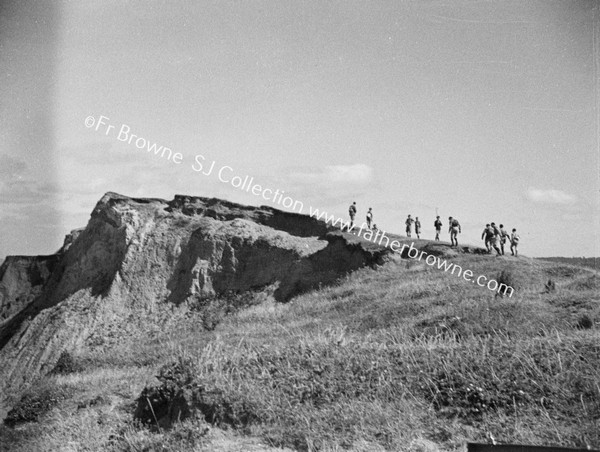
{"x":550,"y":196}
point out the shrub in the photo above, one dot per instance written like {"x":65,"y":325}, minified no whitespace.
{"x":585,"y":322}
{"x":172,"y":399}
{"x":508,"y":278}
{"x":36,"y":402}
{"x":66,"y":364}
{"x":550,"y":286}
{"x":179,"y":396}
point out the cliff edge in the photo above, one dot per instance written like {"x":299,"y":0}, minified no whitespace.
{"x":135,"y":254}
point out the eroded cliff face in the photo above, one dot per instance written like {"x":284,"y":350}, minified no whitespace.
{"x":22,"y":279}
{"x":137,"y":253}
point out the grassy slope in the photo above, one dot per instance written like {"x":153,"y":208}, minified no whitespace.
{"x":591,"y":262}
{"x":405,"y":357}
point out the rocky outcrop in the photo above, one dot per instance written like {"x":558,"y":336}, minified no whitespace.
{"x":137,"y":253}
{"x":22,"y":279}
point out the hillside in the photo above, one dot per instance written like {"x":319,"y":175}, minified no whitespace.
{"x":138,"y":254}
{"x":197,"y":324}
{"x":590,"y":262}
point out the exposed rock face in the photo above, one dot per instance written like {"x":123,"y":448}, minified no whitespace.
{"x":21,"y":281}
{"x":136,"y":253}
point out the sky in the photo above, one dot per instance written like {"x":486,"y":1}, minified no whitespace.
{"x":482,"y":110}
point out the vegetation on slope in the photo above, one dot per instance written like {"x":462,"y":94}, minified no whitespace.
{"x":591,"y":262}
{"x":404,"y":357}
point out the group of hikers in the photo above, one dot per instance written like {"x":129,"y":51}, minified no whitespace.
{"x":495,"y":238}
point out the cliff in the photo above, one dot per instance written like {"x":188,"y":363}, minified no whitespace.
{"x":136,"y":254}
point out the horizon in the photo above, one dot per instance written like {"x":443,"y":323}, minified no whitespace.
{"x":442,"y":241}
{"x":484,"y":111}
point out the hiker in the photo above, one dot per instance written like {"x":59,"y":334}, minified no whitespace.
{"x":369,"y":218}
{"x":374,"y":227}
{"x":495,"y":241}
{"x":514,"y":242}
{"x":454,"y":230}
{"x":352,"y":213}
{"x":409,"y":221}
{"x":487,"y":234}
{"x":417,"y":227}
{"x":503,"y":237}
{"x":438,"y":227}
{"x":492,"y":238}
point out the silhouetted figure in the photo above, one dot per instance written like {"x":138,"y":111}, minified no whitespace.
{"x":495,"y":242}
{"x":369,"y":218}
{"x":514,"y":243}
{"x":417,"y":227}
{"x":438,"y":227}
{"x":488,"y":236}
{"x":504,"y":236}
{"x":352,"y":213}
{"x":454,"y":230}
{"x":409,"y":222}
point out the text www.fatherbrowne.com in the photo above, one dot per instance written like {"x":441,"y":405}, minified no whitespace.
{"x":380,"y":237}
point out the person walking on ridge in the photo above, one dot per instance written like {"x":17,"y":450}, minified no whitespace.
{"x":514,"y":242}
{"x":454,"y":230}
{"x":352,"y":213}
{"x":409,"y":221}
{"x":487,"y":235}
{"x":417,"y":227}
{"x":438,"y":228}
{"x":503,"y":238}
{"x":369,"y":218}
{"x":495,"y":241}
{"x":491,"y":234}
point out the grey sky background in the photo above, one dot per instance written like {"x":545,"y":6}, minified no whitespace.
{"x":484,"y":110}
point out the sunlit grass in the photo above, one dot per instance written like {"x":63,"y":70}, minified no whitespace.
{"x":404,"y":357}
